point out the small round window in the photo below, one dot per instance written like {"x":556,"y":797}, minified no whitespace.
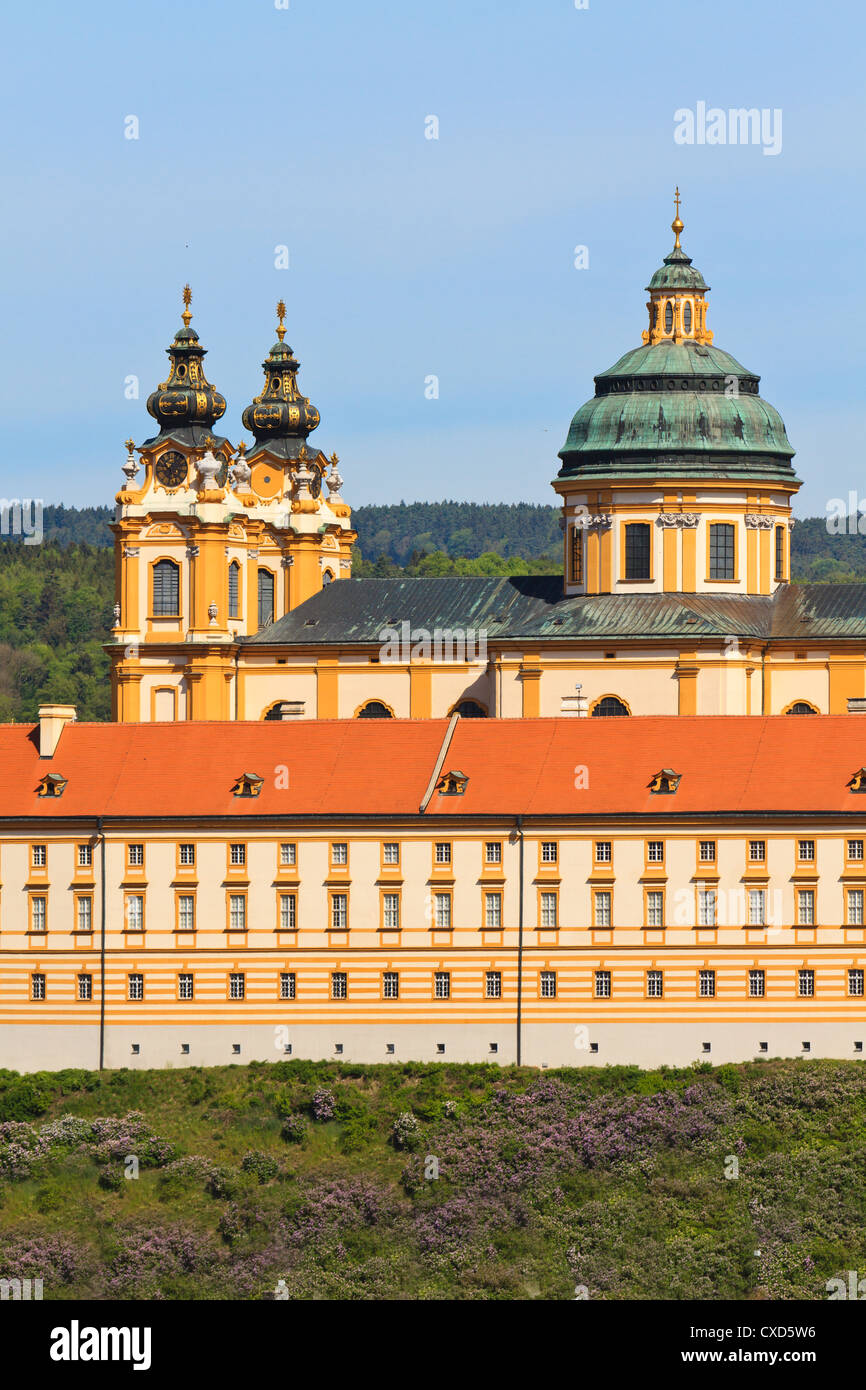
{"x":669,"y":317}
{"x":687,"y":317}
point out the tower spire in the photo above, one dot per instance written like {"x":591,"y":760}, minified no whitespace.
{"x":677,"y":224}
{"x":187,"y":300}
{"x":281,"y":314}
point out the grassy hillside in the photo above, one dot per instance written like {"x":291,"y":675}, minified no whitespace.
{"x":325,"y":1176}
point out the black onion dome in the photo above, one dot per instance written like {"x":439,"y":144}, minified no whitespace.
{"x":185,"y":405}
{"x":280,"y":417}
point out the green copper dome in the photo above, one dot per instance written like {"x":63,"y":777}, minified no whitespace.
{"x":677,"y":408}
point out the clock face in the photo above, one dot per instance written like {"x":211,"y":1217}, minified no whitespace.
{"x":171,"y":469}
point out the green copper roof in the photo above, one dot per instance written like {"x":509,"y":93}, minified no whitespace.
{"x":678,"y":273}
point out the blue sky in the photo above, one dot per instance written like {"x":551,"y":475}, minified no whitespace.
{"x":305,"y":127}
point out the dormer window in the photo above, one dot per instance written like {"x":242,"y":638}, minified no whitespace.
{"x":248,"y":784}
{"x":452,"y":784}
{"x":858,"y":781}
{"x":665,"y":782}
{"x":52,"y":784}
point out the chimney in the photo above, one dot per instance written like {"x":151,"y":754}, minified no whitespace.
{"x":52,"y":721}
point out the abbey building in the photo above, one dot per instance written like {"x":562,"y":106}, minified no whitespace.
{"x":675,"y":484}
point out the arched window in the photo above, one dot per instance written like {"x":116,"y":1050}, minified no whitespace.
{"x":166,"y":589}
{"x":687,"y":316}
{"x":266,"y":598}
{"x":374,"y":709}
{"x":234,"y":589}
{"x":327,"y":577}
{"x":669,"y":317}
{"x":275,"y":711}
{"x":801,"y":707}
{"x":609,"y":705}
{"x":470,"y":709}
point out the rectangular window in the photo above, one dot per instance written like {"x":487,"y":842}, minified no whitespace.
{"x":602,"y":984}
{"x":234,"y":589}
{"x":237,"y":985}
{"x":806,"y":983}
{"x":288,"y":856}
{"x":707,"y":984}
{"x":655,"y":909}
{"x":706,"y":907}
{"x":287,"y":984}
{"x":443,"y":852}
{"x":288,"y":911}
{"x":855,"y":983}
{"x":85,"y":987}
{"x":855,"y":907}
{"x":391,"y":852}
{"x":806,"y":851}
{"x":166,"y":589}
{"x":237,"y":912}
{"x":707,"y":851}
{"x":493,"y":910}
{"x":756,"y":984}
{"x":442,"y":910}
{"x":603,"y":851}
{"x":548,"y":852}
{"x":548,"y":984}
{"x":38,"y":914}
{"x":391,"y":911}
{"x":493,"y":852}
{"x":577,"y":554}
{"x":654,"y":984}
{"x":237,"y":855}
{"x":637,"y":550}
{"x":135,"y":912}
{"x":339,"y":911}
{"x":655,"y":851}
{"x":548,"y":910}
{"x":602,"y":909}
{"x":85,"y":856}
{"x":442,"y":984}
{"x":757,"y":851}
{"x":721,"y":551}
{"x":185,"y":987}
{"x":84,"y":914}
{"x":265,"y":597}
{"x":780,"y":552}
{"x":38,"y":857}
{"x":339,"y":985}
{"x":186,"y":912}
{"x":340,"y":853}
{"x":493,"y":984}
{"x":391,"y":985}
{"x":806,"y":907}
{"x":187,"y":856}
{"x":136,"y":856}
{"x":135,"y":987}
{"x":37,"y":986}
{"x":757,"y":907}
{"x":855,"y":850}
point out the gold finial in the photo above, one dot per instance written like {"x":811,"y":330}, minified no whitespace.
{"x":281,"y":314}
{"x":242,"y":448}
{"x":677,"y":224}
{"x":187,"y":300}
{"x":129,"y":445}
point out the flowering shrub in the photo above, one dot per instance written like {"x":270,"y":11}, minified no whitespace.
{"x":294,"y":1129}
{"x":324,"y":1105}
{"x":404,"y":1131}
{"x":264,"y":1166}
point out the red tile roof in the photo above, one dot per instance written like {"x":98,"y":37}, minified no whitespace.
{"x":372,"y":767}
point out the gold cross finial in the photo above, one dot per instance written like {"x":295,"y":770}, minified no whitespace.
{"x":281,"y":314}
{"x":677,"y":224}
{"x":130,"y":445}
{"x":187,"y":300}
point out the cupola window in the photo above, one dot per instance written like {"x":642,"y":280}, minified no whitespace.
{"x":687,"y":317}
{"x":669,"y":317}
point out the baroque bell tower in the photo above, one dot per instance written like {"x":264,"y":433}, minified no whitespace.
{"x":216,"y":543}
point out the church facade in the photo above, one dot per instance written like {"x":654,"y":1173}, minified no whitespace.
{"x":676,"y":487}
